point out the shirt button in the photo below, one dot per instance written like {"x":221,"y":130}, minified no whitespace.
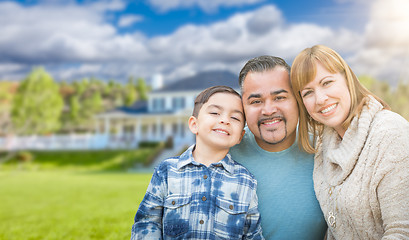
{"x":231,"y":207}
{"x":204,"y":198}
{"x":173,"y":203}
{"x":205,"y":176}
{"x":201,"y":221}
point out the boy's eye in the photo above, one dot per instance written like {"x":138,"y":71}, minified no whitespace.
{"x":236,"y":118}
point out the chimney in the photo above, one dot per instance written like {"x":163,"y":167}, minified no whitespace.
{"x":157,"y":81}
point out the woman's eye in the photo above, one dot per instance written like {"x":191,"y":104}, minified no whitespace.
{"x":306,"y":93}
{"x":213,"y":113}
{"x":326,"y":83}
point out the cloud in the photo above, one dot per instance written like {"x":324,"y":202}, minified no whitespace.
{"x":76,"y":41}
{"x":128,"y":20}
{"x":385,"y":52}
{"x":206,"y":5}
{"x":70,"y":39}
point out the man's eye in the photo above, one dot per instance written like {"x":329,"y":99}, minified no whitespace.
{"x":255,"y":102}
{"x":280,"y":97}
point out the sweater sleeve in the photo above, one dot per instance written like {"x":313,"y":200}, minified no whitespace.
{"x":393,"y":195}
{"x":393,"y":186}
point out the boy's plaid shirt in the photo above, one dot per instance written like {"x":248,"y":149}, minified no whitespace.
{"x":187,"y":200}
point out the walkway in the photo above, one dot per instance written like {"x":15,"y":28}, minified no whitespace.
{"x":166,"y":153}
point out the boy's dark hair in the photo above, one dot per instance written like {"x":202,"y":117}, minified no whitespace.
{"x":204,"y":96}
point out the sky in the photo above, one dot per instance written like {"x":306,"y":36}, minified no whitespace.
{"x":116,"y":39}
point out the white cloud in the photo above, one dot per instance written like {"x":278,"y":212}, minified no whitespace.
{"x":205,"y":5}
{"x":77,"y":41}
{"x":128,"y":20}
{"x":385,"y":53}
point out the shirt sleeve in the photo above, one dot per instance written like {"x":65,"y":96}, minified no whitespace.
{"x":253,"y":221}
{"x":148,"y":218}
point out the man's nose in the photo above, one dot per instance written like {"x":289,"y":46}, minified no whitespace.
{"x":269,"y":108}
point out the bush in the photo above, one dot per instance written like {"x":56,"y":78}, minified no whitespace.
{"x":148,"y":144}
{"x":24,"y":156}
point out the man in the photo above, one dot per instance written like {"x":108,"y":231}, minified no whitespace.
{"x":287,"y":202}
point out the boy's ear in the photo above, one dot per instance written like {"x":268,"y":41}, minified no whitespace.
{"x":242,"y":135}
{"x":193,"y":125}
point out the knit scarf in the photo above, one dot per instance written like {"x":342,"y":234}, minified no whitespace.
{"x":339,"y":156}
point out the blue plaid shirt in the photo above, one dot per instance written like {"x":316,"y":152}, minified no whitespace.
{"x":187,"y":200}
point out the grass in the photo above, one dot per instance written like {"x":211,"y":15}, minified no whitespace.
{"x":106,"y":160}
{"x":69,"y":205}
{"x":78,"y":195}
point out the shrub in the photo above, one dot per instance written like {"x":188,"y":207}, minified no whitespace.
{"x":24,"y":156}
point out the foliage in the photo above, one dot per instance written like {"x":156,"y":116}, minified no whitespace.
{"x":37,"y":104}
{"x":24,"y":156}
{"x":55,"y":205}
{"x":7,"y":92}
{"x":88,"y":97}
{"x":142,"y":89}
{"x":397,"y":98}
{"x":130,"y":95}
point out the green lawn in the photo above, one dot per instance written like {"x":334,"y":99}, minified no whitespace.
{"x":104,"y":160}
{"x":69,"y":205}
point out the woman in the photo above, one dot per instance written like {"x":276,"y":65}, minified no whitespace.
{"x":361,"y":169}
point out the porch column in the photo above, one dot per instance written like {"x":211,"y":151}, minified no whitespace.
{"x":107,"y":126}
{"x":158,"y":129}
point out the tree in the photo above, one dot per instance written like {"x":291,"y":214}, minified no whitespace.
{"x":130,"y":92}
{"x":142,"y":89}
{"x":37,"y":104}
{"x":397,"y":98}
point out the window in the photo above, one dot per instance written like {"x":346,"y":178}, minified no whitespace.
{"x":178,"y":103}
{"x":158,"y":104}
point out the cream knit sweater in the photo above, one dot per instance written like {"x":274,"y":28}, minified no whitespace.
{"x":363,"y":179}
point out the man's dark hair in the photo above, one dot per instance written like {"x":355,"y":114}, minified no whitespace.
{"x":261,"y":64}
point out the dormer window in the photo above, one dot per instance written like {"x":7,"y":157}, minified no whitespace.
{"x":178,"y":103}
{"x":158,"y":104}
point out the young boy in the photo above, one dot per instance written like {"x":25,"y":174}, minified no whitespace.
{"x":203,"y":193}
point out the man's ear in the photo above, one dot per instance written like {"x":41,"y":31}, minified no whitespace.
{"x":193,"y":125}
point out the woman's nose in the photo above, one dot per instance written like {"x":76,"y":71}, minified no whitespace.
{"x":320,"y":97}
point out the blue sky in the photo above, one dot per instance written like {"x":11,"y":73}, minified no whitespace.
{"x":115,"y":39}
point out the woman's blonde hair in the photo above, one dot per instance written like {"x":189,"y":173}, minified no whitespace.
{"x":303,"y":71}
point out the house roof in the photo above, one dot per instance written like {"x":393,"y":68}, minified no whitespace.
{"x":202,"y":81}
{"x":198,"y":82}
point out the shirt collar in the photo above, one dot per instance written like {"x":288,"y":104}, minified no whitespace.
{"x":186,"y":158}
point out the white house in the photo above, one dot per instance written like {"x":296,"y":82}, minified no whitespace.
{"x":165,"y":115}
